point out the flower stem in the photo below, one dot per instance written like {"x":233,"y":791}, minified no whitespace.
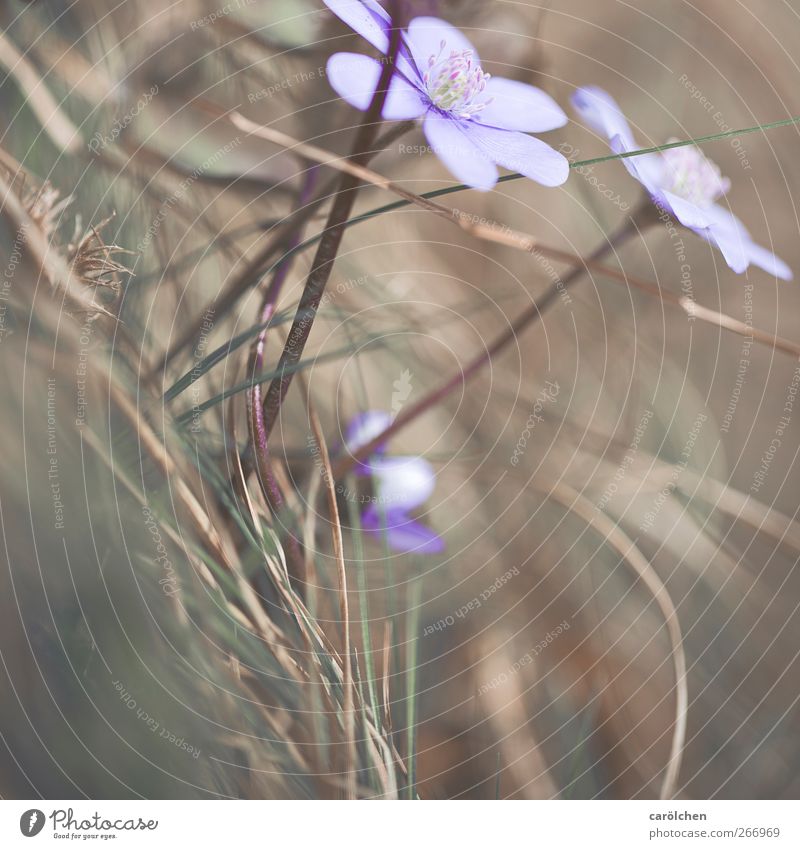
{"x":255,"y":414}
{"x":329,"y":244}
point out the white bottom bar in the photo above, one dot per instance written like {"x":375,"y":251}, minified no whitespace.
{"x":327,"y":825}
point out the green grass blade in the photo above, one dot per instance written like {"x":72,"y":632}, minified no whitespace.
{"x":198,"y":410}
{"x":219,"y":354}
{"x":415,"y":598}
{"x":788,"y":122}
{"x":400,"y":204}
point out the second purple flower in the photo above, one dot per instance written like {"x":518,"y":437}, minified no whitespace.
{"x":683,"y":182}
{"x":401,"y":485}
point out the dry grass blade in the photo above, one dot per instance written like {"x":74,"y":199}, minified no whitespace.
{"x":627,"y":549}
{"x":338,"y":550}
{"x":64,"y":134}
{"x":313,"y":637}
{"x":205,"y":527}
{"x":93,"y":260}
{"x":503,"y":235}
{"x":721,"y":495}
{"x":309,"y":535}
{"x":506,"y":714}
{"x":60,"y":271}
{"x":55,"y":267}
{"x":727,"y":322}
{"x":383,"y":757}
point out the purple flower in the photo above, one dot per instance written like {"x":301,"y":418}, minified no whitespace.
{"x":362,"y":429}
{"x":472,"y":120}
{"x":681,"y":181}
{"x":401,"y":484}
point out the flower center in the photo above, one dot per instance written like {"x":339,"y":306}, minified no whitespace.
{"x":454,"y":83}
{"x":693,"y":176}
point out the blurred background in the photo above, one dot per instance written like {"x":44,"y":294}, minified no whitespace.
{"x":168,"y":633}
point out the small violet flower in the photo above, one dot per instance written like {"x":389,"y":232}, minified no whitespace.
{"x":472,"y":120}
{"x":402,"y":484}
{"x":682,"y":182}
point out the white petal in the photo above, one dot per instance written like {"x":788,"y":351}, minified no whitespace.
{"x":460,"y":155}
{"x":403,"y":482}
{"x":518,"y":152}
{"x":425,"y":37}
{"x":688,"y":213}
{"x":519,"y":106}
{"x":370,"y":20}
{"x":601,"y":112}
{"x":730,"y":235}
{"x":354,"y":77}
{"x":731,"y":247}
{"x":723,"y":219}
{"x":647,"y":168}
{"x":766,"y":259}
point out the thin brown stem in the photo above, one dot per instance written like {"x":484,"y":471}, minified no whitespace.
{"x":631,"y":554}
{"x":344,"y":609}
{"x":528,"y":317}
{"x":328,"y":247}
{"x":255,"y":412}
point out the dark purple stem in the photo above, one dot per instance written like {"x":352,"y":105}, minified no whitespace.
{"x":255,"y":401}
{"x":328,"y":248}
{"x":528,"y":317}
